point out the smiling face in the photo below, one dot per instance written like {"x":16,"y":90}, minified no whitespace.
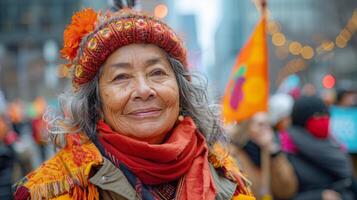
{"x":139,"y":92}
{"x":260,"y":131}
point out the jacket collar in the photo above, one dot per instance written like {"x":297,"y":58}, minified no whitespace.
{"x":110,"y":178}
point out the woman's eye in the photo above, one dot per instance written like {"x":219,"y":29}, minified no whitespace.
{"x":158,"y":72}
{"x":121,"y":77}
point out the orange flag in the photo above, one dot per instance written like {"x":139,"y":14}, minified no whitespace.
{"x":248,"y":87}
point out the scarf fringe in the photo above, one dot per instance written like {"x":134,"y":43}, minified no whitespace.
{"x":77,"y":185}
{"x":88,"y":193}
{"x":220,"y":158}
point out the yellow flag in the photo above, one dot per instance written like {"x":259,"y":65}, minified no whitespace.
{"x":248,"y":87}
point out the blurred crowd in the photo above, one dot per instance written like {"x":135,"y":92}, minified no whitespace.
{"x":290,"y":152}
{"x":22,"y":141}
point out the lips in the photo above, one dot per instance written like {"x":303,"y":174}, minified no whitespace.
{"x":147,"y":112}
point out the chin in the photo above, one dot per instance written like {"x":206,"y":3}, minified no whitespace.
{"x":150,"y":133}
{"x":151,"y":138}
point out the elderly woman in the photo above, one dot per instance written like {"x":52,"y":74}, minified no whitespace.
{"x":253,"y":142}
{"x":135,"y":126}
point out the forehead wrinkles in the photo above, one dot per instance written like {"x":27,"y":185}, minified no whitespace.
{"x":134,"y":55}
{"x":138,"y":55}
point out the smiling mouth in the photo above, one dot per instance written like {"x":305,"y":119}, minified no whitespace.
{"x":144,"y":113}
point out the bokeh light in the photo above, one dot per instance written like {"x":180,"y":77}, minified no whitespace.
{"x":341,"y":42}
{"x":278,"y":39}
{"x":346,"y":34}
{"x":161,"y":11}
{"x":307,"y":52}
{"x":273,"y":27}
{"x":295,"y":48}
{"x":328,"y":81}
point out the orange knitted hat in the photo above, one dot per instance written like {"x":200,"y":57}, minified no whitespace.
{"x":92,"y":37}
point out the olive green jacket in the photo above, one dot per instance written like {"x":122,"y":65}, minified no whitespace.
{"x":113,"y":184}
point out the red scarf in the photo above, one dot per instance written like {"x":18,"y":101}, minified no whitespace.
{"x":183,"y":154}
{"x":318,"y":126}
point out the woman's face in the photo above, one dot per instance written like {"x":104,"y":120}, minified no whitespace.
{"x":139,"y":92}
{"x":260,"y":130}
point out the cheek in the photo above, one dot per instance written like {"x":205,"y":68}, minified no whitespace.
{"x":169,"y":94}
{"x":254,"y":130}
{"x":113,"y":101}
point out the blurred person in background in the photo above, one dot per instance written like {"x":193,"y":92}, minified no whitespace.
{"x":308,"y":89}
{"x":11,"y":168}
{"x":280,"y":108}
{"x":38,"y":134}
{"x":16,"y":112}
{"x":329,"y":96}
{"x":22,"y":128}
{"x":249,"y":140}
{"x":38,"y":126}
{"x":324,"y":171}
{"x":8,"y":159}
{"x":346,"y":98}
{"x":137,"y":124}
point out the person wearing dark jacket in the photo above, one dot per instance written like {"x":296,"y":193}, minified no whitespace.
{"x":253,"y":140}
{"x":7,"y":162}
{"x":323,"y":170}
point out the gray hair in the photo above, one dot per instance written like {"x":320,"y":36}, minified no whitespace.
{"x":80,"y":110}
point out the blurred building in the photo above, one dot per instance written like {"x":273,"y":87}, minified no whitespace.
{"x":25,"y":28}
{"x":32,"y":30}
{"x":35,"y":20}
{"x":31,"y":35}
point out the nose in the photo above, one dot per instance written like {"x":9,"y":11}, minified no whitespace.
{"x":143,"y":90}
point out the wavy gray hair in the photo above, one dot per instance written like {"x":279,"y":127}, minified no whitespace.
{"x":80,"y":110}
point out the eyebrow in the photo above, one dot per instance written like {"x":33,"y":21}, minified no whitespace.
{"x":151,"y":61}
{"x":120,"y":65}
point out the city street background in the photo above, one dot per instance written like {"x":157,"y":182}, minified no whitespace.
{"x":312,"y":47}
